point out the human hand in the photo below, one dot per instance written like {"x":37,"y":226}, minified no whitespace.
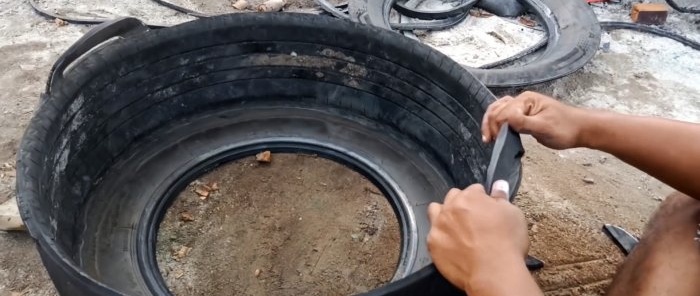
{"x":554,"y":124}
{"x":476,"y":239}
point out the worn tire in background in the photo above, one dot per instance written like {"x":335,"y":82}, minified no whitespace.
{"x":131,"y":123}
{"x":572,"y":41}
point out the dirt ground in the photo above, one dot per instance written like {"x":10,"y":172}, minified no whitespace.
{"x":633,"y":73}
{"x":300,"y":225}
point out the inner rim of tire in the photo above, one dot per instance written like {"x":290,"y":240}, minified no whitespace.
{"x":148,"y":235}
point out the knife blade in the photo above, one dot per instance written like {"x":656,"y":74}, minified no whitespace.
{"x":622,"y":238}
{"x":505,"y":165}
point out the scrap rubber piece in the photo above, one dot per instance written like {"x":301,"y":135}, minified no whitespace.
{"x":131,"y":122}
{"x":610,"y":26}
{"x":687,"y":6}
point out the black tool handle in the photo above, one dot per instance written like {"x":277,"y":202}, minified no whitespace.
{"x":97,"y":35}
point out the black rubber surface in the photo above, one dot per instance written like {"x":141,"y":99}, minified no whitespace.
{"x":687,"y":6}
{"x":610,"y":26}
{"x":129,"y":124}
{"x":507,"y":8}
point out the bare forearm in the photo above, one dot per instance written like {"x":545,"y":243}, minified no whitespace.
{"x":665,"y":149}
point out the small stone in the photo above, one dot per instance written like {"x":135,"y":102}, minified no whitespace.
{"x":588,"y":180}
{"x":203,"y":193}
{"x":587,"y":164}
{"x":59,"y":22}
{"x":656,"y":198}
{"x":179,"y":273}
{"x":240,"y":4}
{"x":214,"y":186}
{"x":371,"y":230}
{"x":355,"y":237}
{"x":372,"y":190}
{"x":205,"y":187}
{"x":181,"y":253}
{"x":271,"y":6}
{"x":480,"y":13}
{"x":186,"y":217}
{"x":257,"y":272}
{"x":497,"y":36}
{"x":534,"y":228}
{"x":10,"y":219}
{"x":602,"y":160}
{"x":264,"y":157}
{"x":294,"y":54}
{"x":27,"y":67}
{"x":527,"y":21}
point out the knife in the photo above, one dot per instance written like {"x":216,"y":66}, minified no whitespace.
{"x":622,"y":238}
{"x":505,"y":165}
{"x":505,"y":160}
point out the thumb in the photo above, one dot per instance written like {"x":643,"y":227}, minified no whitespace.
{"x":500,"y":189}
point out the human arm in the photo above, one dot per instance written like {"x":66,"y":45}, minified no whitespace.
{"x":479,"y":242}
{"x":665,"y":149}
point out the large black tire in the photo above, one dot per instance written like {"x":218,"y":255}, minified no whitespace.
{"x":131,"y":123}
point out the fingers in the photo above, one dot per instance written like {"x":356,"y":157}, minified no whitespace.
{"x":506,"y":110}
{"x":451,"y":195}
{"x":434,"y":210}
{"x":488,"y":123}
{"x":500,"y":190}
{"x":514,"y":111}
{"x":455,"y":195}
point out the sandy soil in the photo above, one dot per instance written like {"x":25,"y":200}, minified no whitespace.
{"x":637,"y":74}
{"x":300,"y":225}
